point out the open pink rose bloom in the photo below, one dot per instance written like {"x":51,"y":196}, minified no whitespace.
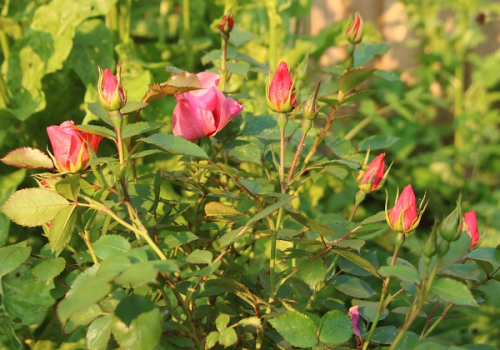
{"x":203,"y":112}
{"x":70,"y":146}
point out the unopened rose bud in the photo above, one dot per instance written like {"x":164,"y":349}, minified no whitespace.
{"x":226,"y":24}
{"x":470,"y":226}
{"x":280,"y":92}
{"x":373,"y":178}
{"x":430,"y":246}
{"x":110,"y":92}
{"x":311,"y":107}
{"x":404,"y":216}
{"x":354,"y":32}
{"x":451,"y":227}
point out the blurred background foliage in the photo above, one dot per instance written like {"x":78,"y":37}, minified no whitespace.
{"x":440,"y":120}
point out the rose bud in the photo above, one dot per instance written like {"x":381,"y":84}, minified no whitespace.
{"x":354,"y":32}
{"x":451,"y":227}
{"x":71,"y":147}
{"x":203,"y":112}
{"x":226,"y":24}
{"x":354,"y":315}
{"x":373,"y":179}
{"x":404,"y":217}
{"x":280,"y":92}
{"x":110,"y":92}
{"x":470,"y":226}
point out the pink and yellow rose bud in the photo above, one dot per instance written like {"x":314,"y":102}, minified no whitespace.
{"x":470,"y":226}
{"x":373,"y":179}
{"x":354,"y":32}
{"x":354,"y":315}
{"x":71,"y":147}
{"x":280,"y":92}
{"x":226,"y":24}
{"x":404,"y":216}
{"x":110,"y":91}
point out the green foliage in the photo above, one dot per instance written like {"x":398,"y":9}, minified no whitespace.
{"x":252,"y":236}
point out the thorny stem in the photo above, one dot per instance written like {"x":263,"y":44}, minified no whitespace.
{"x":296,"y":158}
{"x":399,"y":241}
{"x":320,"y":138}
{"x":88,"y":242}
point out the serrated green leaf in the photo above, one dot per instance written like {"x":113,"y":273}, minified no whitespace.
{"x":380,"y":216}
{"x":228,"y":337}
{"x":221,"y":322}
{"x":96,"y":130}
{"x":252,"y":321}
{"x":132,"y":106}
{"x":402,"y":272}
{"x":99,"y":332}
{"x":240,"y":68}
{"x":139,"y":128}
{"x":109,"y":245}
{"x":83,"y":317}
{"x":486,"y":254}
{"x":244,"y":151}
{"x":453,"y":292}
{"x":212,"y":339}
{"x":313,"y":225}
{"x":353,"y":286}
{"x":384,"y":335}
{"x":11,"y":257}
{"x":144,"y":272}
{"x":220,"y":209}
{"x":69,"y":187}
{"x":312,"y":271}
{"x":356,"y":259}
{"x":351,"y":79}
{"x":364,"y":53}
{"x":96,"y":109}
{"x":269,"y":210}
{"x":136,"y":324}
{"x":29,"y":158}
{"x":199,"y":257}
{"x":176,"y":145}
{"x":61,"y":229}
{"x":335,"y":328}
{"x":47,"y":269}
{"x":175,"y":239}
{"x":296,"y":328}
{"x":33,"y":206}
{"x":376,"y":142}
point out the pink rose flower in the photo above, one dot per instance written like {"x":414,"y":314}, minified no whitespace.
{"x":70,"y":146}
{"x":203,"y":112}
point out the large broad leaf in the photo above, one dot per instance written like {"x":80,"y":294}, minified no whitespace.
{"x":453,"y":292}
{"x":9,"y":184}
{"x":361,"y":262}
{"x":177,"y":83}
{"x":351,"y":79}
{"x":486,"y":254}
{"x":61,"y":229}
{"x":176,"y":145}
{"x":11,"y":257}
{"x":269,"y":210}
{"x":335,"y":328}
{"x":29,"y":158}
{"x":109,"y":245}
{"x":47,"y":269}
{"x":296,"y":328}
{"x":244,"y":151}
{"x":314,"y":225}
{"x":199,"y":257}
{"x":43,"y":50}
{"x":33,"y":206}
{"x":376,"y":142}
{"x":364,"y":53}
{"x":137,"y":323}
{"x":353,"y":286}
{"x":139,"y":128}
{"x":403,"y":272}
{"x":99,"y":332}
{"x":312,"y":271}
